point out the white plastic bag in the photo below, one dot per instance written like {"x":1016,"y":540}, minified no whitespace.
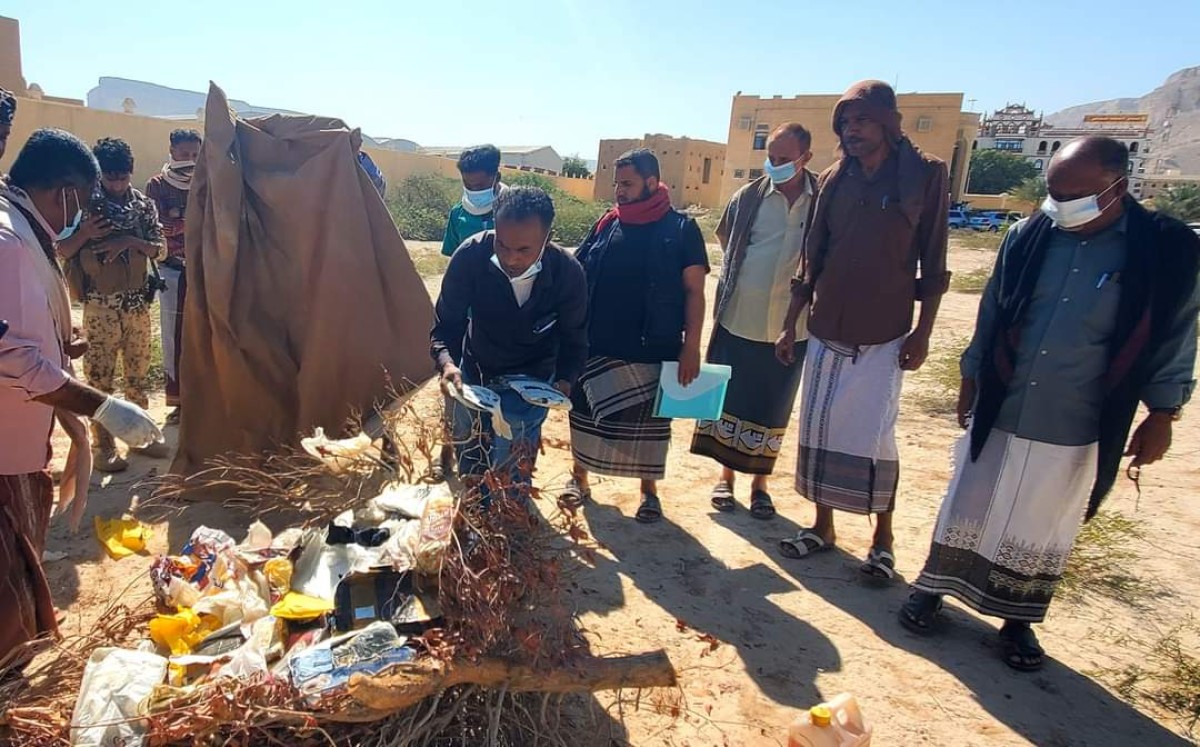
{"x":114,"y":684}
{"x":258,"y":536}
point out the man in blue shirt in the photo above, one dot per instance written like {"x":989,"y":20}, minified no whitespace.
{"x":1091,"y":310}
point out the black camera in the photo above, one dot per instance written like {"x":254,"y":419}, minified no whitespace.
{"x":154,"y":285}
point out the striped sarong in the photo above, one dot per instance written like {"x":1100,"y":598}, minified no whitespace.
{"x":25,"y":505}
{"x":850,"y":399}
{"x":1008,"y":523}
{"x":613,"y":428}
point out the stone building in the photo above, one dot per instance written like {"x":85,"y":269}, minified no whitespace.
{"x":692,"y":169}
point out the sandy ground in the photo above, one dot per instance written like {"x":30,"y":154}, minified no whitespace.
{"x":791,"y":633}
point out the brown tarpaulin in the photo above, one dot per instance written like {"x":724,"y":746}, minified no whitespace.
{"x":301,"y":293}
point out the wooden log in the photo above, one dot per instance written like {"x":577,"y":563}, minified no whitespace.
{"x":409,"y":686}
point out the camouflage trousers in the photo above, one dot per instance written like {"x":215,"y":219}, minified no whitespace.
{"x":115,"y":328}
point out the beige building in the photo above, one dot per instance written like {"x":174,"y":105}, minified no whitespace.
{"x":1156,"y":185}
{"x":691,"y":169}
{"x":934,"y":121}
{"x":11,"y":77}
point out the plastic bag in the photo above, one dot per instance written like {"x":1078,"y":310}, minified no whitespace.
{"x":437,"y":525}
{"x":258,"y":536}
{"x":114,"y":684}
{"x":239,"y":600}
{"x":297,"y":606}
{"x":338,"y":456}
{"x":181,"y":632}
{"x":122,"y":537}
{"x":409,"y":500}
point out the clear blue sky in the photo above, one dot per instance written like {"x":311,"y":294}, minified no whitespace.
{"x":569,"y":72}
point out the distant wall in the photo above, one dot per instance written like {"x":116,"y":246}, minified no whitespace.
{"x":150,"y":139}
{"x":996,"y":202}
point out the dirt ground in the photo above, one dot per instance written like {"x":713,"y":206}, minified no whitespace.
{"x":791,"y":633}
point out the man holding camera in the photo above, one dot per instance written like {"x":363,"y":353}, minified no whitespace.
{"x":109,"y":264}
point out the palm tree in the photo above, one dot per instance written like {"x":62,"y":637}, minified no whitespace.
{"x":1032,"y":191}
{"x":1182,"y":202}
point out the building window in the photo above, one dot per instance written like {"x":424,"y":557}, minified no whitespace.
{"x":1038,"y":164}
{"x":924,"y":124}
{"x":760,"y":136}
{"x":744,"y":122}
{"x":739,"y":174}
{"x":975,"y":145}
{"x":1133,"y":148}
{"x":756,"y":173}
{"x":1042,"y":148}
{"x":1054,"y":148}
{"x":707,"y":171}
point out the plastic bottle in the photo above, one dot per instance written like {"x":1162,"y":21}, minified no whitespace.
{"x":838,"y":723}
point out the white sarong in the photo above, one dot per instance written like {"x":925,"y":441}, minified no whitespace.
{"x":850,"y":399}
{"x":1008,"y":523}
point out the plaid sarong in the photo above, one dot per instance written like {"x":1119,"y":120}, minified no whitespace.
{"x":613,"y":428}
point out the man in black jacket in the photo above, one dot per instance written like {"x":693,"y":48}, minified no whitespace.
{"x":1090,"y":311}
{"x":512,"y":304}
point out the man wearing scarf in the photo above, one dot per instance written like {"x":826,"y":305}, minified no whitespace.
{"x":169,"y":191}
{"x":645,"y":266}
{"x":51,"y":178}
{"x":877,"y":244}
{"x":1091,"y":309}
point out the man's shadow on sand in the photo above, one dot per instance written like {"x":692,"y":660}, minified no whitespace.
{"x":1057,"y":706}
{"x":674,"y":570}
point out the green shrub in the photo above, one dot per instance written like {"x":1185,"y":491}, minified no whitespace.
{"x":421,"y":203}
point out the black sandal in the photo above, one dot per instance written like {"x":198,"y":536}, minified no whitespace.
{"x":650,"y":511}
{"x":1020,"y":647}
{"x":920,"y":613}
{"x":761,"y":506}
{"x":722,"y":497}
{"x":574,"y":495}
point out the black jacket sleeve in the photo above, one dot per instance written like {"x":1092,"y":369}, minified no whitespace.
{"x":450,"y":312}
{"x":572,"y":321}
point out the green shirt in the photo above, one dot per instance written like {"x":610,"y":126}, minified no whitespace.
{"x":462,"y":226}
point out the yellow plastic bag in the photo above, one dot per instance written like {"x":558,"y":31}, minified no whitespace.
{"x":279,"y":575}
{"x":122,"y":537}
{"x":297,"y":606}
{"x":182,"y":631}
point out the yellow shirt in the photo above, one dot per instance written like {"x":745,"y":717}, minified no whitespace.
{"x":760,"y":299}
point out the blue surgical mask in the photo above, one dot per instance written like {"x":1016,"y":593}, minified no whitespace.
{"x":478,"y":201}
{"x":780,"y":174}
{"x":73,"y":226}
{"x":1072,"y":214}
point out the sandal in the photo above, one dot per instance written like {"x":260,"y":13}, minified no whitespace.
{"x":920,"y":613}
{"x":761,"y":506}
{"x":574,"y":495}
{"x":1020,"y":647}
{"x":805,"y":543}
{"x":650,"y":511}
{"x":722,"y":497}
{"x":880,"y":565}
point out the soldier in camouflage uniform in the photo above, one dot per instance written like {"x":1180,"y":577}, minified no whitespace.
{"x":109,"y":267}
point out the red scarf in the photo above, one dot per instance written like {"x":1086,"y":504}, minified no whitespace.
{"x":640,"y":213}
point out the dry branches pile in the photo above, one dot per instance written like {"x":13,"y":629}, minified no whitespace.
{"x":505,"y":623}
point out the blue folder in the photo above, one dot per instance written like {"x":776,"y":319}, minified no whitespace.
{"x":703,"y":399}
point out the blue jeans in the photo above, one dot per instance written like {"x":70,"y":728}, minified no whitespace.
{"x":480,"y":448}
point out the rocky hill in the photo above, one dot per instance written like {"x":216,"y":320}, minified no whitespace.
{"x":1174,"y":109}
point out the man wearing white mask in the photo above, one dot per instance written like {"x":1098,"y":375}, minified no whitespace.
{"x":762,"y":234}
{"x":512,"y":304}
{"x":479,"y":166}
{"x":170,"y":189}
{"x":1091,"y":310}
{"x":42,"y":202}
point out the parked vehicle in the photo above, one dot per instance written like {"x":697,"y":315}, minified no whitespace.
{"x":959,"y":219}
{"x":994,"y":221}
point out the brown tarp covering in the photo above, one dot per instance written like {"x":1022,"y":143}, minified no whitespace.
{"x":302,"y":299}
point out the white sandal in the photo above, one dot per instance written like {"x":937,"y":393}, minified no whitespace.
{"x":805,"y":543}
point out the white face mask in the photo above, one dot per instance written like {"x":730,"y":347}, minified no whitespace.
{"x":72,"y":226}
{"x":1072,"y":214}
{"x":533,"y":270}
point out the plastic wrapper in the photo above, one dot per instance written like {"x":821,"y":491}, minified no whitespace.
{"x":179,"y":633}
{"x":240,"y":600}
{"x":437,"y":526}
{"x":115,"y":682}
{"x":297,"y":606}
{"x":258,"y":536}
{"x":409,"y":500}
{"x":337,"y":455}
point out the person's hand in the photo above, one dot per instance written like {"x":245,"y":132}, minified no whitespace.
{"x":563,"y":387}
{"x":1151,"y":440}
{"x":95,"y":227}
{"x":108,"y":251}
{"x":451,"y":378}
{"x":785,"y":347}
{"x":966,"y":401}
{"x":128,"y":422}
{"x":914,"y":351}
{"x":76,"y":348}
{"x":689,"y":364}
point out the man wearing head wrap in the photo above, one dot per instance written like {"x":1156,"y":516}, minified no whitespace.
{"x":169,"y":189}
{"x":8,"y":110}
{"x":876,"y":246}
